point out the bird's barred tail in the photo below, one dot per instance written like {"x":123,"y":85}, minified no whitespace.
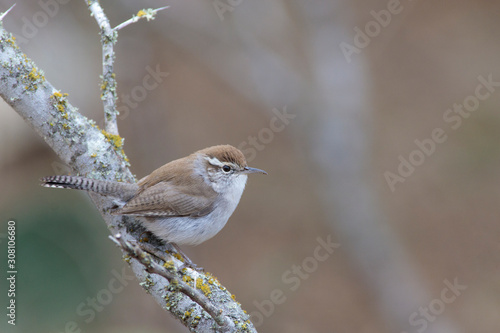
{"x":119,"y":190}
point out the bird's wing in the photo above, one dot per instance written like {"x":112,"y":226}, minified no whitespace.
{"x":164,"y":199}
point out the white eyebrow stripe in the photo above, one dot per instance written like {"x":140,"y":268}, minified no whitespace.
{"x":214,"y":161}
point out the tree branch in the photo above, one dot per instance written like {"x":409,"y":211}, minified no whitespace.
{"x":80,"y":143}
{"x":108,"y":39}
{"x":108,"y":85}
{"x":169,"y":272}
{"x":148,"y":14}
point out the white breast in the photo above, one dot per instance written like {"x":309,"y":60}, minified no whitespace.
{"x":193,"y":231}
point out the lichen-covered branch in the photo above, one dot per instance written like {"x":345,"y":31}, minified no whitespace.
{"x":108,"y":85}
{"x":108,"y":40}
{"x":170,"y":272}
{"x":148,"y":14}
{"x":91,"y":152}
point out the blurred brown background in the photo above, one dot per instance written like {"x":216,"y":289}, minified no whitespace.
{"x":357,"y":113}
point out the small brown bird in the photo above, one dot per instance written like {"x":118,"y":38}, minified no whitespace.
{"x":186,"y":201}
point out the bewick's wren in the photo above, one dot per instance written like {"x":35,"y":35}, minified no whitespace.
{"x":186,"y":201}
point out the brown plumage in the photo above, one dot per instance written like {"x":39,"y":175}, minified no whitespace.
{"x":225,"y":153}
{"x":186,"y":201}
{"x":171,"y":191}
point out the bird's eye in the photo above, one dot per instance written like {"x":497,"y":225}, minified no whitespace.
{"x":226,"y":168}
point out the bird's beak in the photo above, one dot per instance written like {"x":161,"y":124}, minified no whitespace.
{"x":253,"y":170}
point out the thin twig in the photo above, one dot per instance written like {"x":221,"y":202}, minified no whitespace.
{"x":108,"y":39}
{"x":148,"y":14}
{"x":6,"y":12}
{"x":171,"y":275}
{"x":108,"y":86}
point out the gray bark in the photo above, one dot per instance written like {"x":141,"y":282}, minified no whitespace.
{"x":94,"y":153}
